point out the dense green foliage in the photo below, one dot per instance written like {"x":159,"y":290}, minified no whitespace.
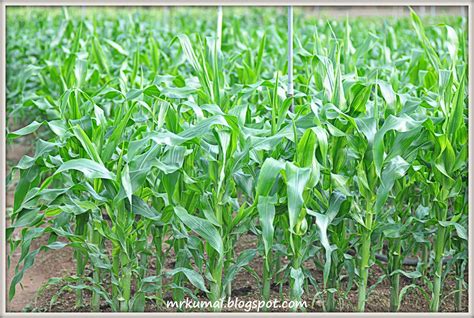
{"x":151,"y":141}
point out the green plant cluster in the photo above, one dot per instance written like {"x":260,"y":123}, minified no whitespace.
{"x":154,"y":142}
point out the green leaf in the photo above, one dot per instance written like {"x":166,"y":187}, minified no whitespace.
{"x":340,"y":183}
{"x":387,"y":93}
{"x":395,"y":169}
{"x":456,"y":117}
{"x":194,"y":277}
{"x":266,"y":213}
{"x":87,"y":144}
{"x":117,"y":47}
{"x":29,"y":129}
{"x":59,"y":127}
{"x":202,"y":227}
{"x":297,"y":179}
{"x":322,"y":222}
{"x":297,"y":285}
{"x":139,"y":207}
{"x":99,"y":55}
{"x":126,"y":182}
{"x":268,"y":175}
{"x":404,"y":123}
{"x":420,"y":32}
{"x":89,"y":168}
{"x":243,"y":259}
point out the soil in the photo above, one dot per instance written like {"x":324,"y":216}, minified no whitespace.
{"x":60,"y":263}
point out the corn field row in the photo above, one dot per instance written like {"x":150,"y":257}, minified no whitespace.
{"x":161,"y":133}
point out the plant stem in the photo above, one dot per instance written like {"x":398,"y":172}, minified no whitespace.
{"x":228,"y":263}
{"x":434,"y":305}
{"x":267,"y":279}
{"x":218,"y":263}
{"x":181,"y":260}
{"x":95,"y":300}
{"x":216,"y":286}
{"x":425,"y":254}
{"x":126,"y":282}
{"x":364,"y":262}
{"x":394,"y":265}
{"x":296,"y":247}
{"x":459,"y":283}
{"x":115,"y":273}
{"x":330,"y":305}
{"x":81,"y":223}
{"x":157,"y":240}
{"x":80,"y":272}
{"x":438,"y":262}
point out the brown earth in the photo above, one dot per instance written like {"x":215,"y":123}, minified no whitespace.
{"x":245,"y":287}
